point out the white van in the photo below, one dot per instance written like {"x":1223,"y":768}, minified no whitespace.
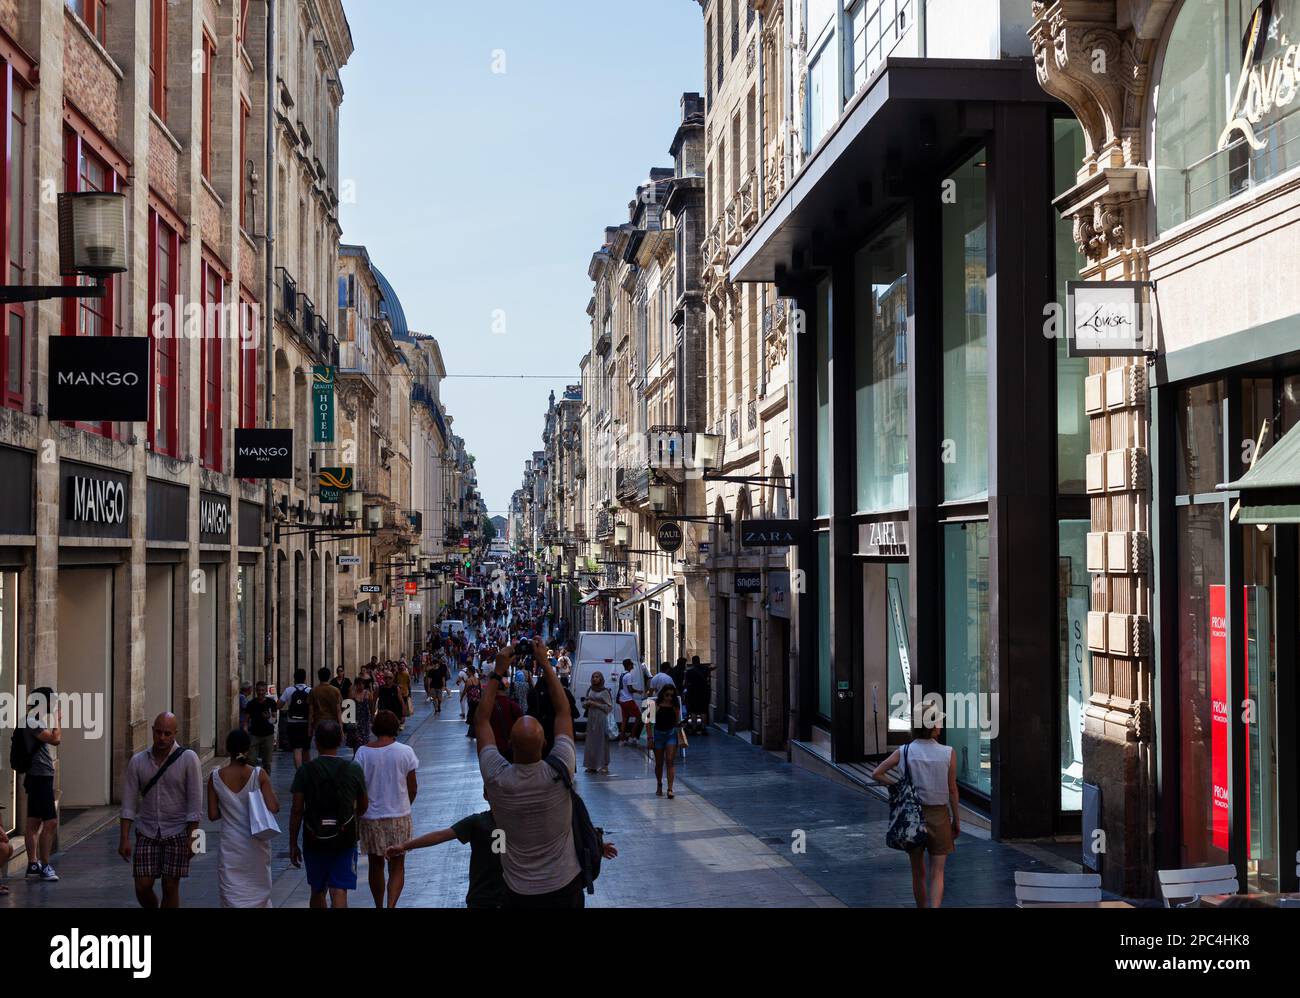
{"x":452,"y":627}
{"x":603,"y":652}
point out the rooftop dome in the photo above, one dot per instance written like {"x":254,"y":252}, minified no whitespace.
{"x":391,"y":306}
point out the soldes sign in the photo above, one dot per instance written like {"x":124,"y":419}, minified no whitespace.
{"x":99,"y":379}
{"x":263,"y":453}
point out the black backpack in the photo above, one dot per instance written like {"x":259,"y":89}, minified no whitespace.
{"x":298,"y":704}
{"x":326,"y":826}
{"x":20,"y":754}
{"x":588,"y":840}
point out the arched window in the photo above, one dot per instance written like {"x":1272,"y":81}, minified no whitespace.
{"x":1227,"y":113}
{"x":780,"y":493}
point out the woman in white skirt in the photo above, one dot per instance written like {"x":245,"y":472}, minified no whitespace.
{"x":243,"y":862}
{"x":390,"y":768}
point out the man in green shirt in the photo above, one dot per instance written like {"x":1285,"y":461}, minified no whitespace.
{"x":329,"y":797}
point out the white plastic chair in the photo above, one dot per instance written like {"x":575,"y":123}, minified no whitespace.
{"x":1057,"y":888}
{"x":1196,"y":882}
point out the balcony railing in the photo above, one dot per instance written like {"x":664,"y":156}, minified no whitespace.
{"x":748,"y":202}
{"x":751,"y":414}
{"x":633,"y":485}
{"x":717,"y":236}
{"x":604,"y":525}
{"x":732,"y":217}
{"x":733,"y":422}
{"x":287,"y":300}
{"x":308,"y":316}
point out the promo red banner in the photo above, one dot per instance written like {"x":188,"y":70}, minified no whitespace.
{"x":1219,"y":714}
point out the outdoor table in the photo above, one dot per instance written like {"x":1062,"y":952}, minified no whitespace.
{"x":1271,"y":900}
{"x":1078,"y":904}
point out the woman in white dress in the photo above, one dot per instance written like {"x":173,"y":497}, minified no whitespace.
{"x":243,"y":862}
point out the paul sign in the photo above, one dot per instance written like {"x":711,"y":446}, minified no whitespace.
{"x":99,"y":379}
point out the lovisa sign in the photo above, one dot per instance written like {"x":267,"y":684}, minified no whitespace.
{"x":1106,"y":318}
{"x":1268,"y":80}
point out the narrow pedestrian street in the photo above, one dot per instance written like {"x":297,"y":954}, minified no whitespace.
{"x":726,"y":840}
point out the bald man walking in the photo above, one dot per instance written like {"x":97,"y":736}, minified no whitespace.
{"x":163,"y":799}
{"x":530,"y":804}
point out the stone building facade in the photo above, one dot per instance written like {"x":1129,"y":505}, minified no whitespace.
{"x":747,"y":162}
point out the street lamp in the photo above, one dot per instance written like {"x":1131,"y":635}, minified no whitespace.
{"x":352,"y":506}
{"x":597,"y":549}
{"x":708,"y":451}
{"x":92,"y":243}
{"x":374,"y":517}
{"x":622,"y":534}
{"x":658,"y":497}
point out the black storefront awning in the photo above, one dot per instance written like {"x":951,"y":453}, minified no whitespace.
{"x":1270,"y":491}
{"x":902,"y":126}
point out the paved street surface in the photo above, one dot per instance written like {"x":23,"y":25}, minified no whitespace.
{"x":730,"y":838}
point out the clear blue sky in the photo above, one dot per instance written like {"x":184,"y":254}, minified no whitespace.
{"x":478,"y":191}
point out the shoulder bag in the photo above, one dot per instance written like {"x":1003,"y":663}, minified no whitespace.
{"x":906,"y":821}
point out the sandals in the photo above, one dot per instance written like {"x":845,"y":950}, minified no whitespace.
{"x":670,"y":795}
{"x":659,"y":791}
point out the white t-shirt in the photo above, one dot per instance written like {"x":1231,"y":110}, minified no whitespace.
{"x":629,"y":685}
{"x":533,"y":807}
{"x":660,"y":681}
{"x":386,"y":769}
{"x":927,"y":764}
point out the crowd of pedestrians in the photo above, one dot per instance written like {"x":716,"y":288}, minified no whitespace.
{"x":534,"y":846}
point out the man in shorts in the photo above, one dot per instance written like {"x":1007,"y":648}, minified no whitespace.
{"x":630,"y":691}
{"x":163,"y":799}
{"x":43,"y":734}
{"x":329,"y":797}
{"x":296,"y":704}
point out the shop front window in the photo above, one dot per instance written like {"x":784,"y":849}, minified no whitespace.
{"x":966,"y":651}
{"x":1075,"y":659}
{"x":824,"y":398}
{"x":1228,"y":113}
{"x":824,"y":624}
{"x":880,"y":335}
{"x":900,"y":679}
{"x":1202,"y":686}
{"x":1071,"y":419}
{"x":1198,"y":465}
{"x":8,"y":690}
{"x":965,"y":333}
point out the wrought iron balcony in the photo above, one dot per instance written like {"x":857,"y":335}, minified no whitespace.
{"x":286,"y":302}
{"x":633,"y":486}
{"x":751,"y":414}
{"x":604,"y":525}
{"x":733,"y":423}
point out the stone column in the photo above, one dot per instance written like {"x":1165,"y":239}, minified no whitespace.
{"x":1100,"y":71}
